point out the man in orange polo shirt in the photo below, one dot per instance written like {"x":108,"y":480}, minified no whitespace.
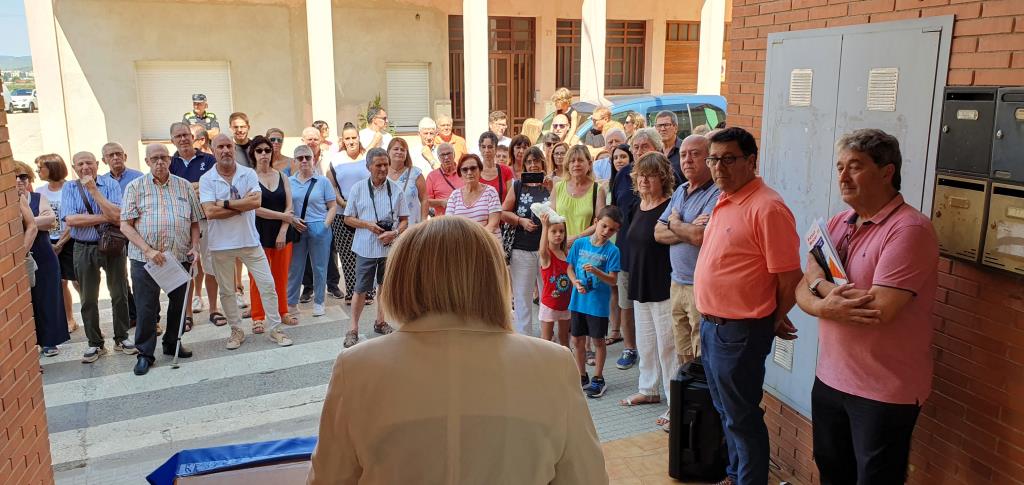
{"x":746,"y":274}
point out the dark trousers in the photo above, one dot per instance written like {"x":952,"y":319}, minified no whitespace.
{"x":88,"y":262}
{"x":333,"y":276}
{"x":733,"y":356}
{"x":147,"y":299}
{"x":859,"y":441}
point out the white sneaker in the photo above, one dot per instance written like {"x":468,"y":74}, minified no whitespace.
{"x":197,"y":304}
{"x":236,"y":339}
{"x":241,"y":301}
{"x":318,"y":310}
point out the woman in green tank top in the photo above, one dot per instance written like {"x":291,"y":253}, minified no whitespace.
{"x":578,"y":197}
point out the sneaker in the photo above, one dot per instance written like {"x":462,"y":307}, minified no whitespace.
{"x":50,"y":351}
{"x":241,"y":301}
{"x":93,"y":353}
{"x":125,"y":346}
{"x":318,"y":310}
{"x":627,"y":360}
{"x":197,"y":304}
{"x":336,"y":293}
{"x":584,"y":380}
{"x":236,"y":339}
{"x":278,"y":337}
{"x":306,"y":296}
{"x":596,"y":388}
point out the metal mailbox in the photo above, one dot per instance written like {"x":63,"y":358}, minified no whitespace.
{"x":968,"y":116}
{"x":1008,"y":138}
{"x":958,"y":214}
{"x":1004,"y":238}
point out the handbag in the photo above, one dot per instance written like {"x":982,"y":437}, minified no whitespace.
{"x":294,"y":235}
{"x":112,"y":242}
{"x":30,"y":268}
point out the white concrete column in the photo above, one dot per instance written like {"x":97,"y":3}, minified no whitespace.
{"x":476,"y":67}
{"x":592,"y":45}
{"x":320,"y":36}
{"x":42,"y":34}
{"x":712,"y":37}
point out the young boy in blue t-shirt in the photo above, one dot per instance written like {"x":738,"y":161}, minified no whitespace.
{"x":593,"y":267}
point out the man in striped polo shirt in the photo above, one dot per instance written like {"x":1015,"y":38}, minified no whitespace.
{"x":377,"y":211}
{"x":159,"y":215}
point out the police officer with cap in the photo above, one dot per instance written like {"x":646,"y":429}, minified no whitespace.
{"x":199,"y":115}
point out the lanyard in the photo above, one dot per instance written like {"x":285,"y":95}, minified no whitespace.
{"x":374,"y":201}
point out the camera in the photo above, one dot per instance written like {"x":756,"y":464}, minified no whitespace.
{"x":386,"y":224}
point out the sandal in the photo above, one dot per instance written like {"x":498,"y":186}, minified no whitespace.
{"x":257,"y":326}
{"x":351,"y":338}
{"x":289,"y":319}
{"x":662,"y":420}
{"x":382,"y":328}
{"x":188,"y":324}
{"x":348,"y":302}
{"x":591,"y":358}
{"x":640,"y":399}
{"x":218,"y":319}
{"x":72,"y":326}
{"x":247,"y":314}
{"x":369,"y":301}
{"x":614,"y":338}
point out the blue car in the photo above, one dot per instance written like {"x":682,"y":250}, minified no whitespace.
{"x":692,"y":110}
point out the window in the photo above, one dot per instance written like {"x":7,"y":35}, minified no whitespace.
{"x":165,"y":90}
{"x":408,"y":98}
{"x":625,"y":42}
{"x":682,"y":31}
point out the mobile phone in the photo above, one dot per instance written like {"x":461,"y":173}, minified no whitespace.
{"x":533,"y":177}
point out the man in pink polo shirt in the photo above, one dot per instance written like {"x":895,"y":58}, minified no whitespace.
{"x":744,"y":282}
{"x":875,"y":334}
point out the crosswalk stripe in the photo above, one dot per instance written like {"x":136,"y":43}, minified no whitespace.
{"x":163,"y":377}
{"x":202,"y":332}
{"x":160,"y":429}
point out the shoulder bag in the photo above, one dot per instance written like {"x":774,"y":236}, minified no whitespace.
{"x":112,"y":242}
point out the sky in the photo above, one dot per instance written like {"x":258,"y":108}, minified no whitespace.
{"x":13,"y":31}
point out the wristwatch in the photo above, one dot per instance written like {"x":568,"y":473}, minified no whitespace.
{"x":225,"y":204}
{"x":813,"y":287}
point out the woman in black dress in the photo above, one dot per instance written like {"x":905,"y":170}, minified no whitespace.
{"x":50,"y":319}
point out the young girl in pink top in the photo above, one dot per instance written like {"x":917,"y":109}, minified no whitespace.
{"x":554,"y":299}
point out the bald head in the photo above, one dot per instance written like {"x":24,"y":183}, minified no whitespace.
{"x":224,"y":149}
{"x":693,"y":154}
{"x":84,"y":164}
{"x":159,"y":161}
{"x":155,"y":149}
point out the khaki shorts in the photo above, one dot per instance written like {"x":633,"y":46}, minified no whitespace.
{"x":623,"y":284}
{"x":685,"y":320}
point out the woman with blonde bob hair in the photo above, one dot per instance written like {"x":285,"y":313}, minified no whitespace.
{"x":454,"y":334}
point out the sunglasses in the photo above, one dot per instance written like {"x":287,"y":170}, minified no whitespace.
{"x":304,"y":158}
{"x":276,"y":140}
{"x":470,"y":169}
{"x":559,"y":126}
{"x":262,"y":151}
{"x":22,"y":177}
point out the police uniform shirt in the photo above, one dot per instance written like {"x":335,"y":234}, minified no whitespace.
{"x":208,"y":119}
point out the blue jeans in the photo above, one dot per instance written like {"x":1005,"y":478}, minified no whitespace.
{"x":733,"y":356}
{"x":316,"y":245}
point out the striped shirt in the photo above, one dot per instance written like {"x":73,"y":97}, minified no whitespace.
{"x":164,"y":214}
{"x":71,"y":204}
{"x":484,"y":206}
{"x":385,"y":204}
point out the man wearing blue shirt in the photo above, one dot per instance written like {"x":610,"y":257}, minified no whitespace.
{"x":86,"y":206}
{"x":682,"y":227}
{"x":114,"y":157}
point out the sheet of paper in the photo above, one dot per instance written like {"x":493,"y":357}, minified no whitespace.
{"x":170,"y":276}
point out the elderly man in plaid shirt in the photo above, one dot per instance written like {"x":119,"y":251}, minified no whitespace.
{"x":160,"y":216}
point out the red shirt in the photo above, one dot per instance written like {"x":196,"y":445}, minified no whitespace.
{"x":891,"y":363}
{"x":441,"y":186}
{"x":557,"y":288}
{"x":505,"y":175}
{"x":750,"y":238}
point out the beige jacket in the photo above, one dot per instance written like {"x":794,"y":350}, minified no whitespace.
{"x":449,"y":401}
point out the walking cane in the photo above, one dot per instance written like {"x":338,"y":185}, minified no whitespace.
{"x":184,"y":308}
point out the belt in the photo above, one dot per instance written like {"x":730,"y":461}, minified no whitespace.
{"x":723,"y":321}
{"x":87,"y":243}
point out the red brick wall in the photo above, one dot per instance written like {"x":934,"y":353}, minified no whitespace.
{"x":971,"y":430}
{"x":24,"y":443}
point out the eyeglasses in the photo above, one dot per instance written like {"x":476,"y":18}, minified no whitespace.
{"x":116,"y":154}
{"x":382,"y":118}
{"x":559,"y":126}
{"x":469,"y":169}
{"x":445,"y":155}
{"x":22,"y":177}
{"x":548,"y":144}
{"x":662,"y":126}
{"x":160,"y":158}
{"x":727,"y":160}
{"x":262,"y":151}
{"x":276,"y":140}
{"x":304,"y":158}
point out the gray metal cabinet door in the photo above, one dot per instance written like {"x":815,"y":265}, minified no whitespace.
{"x":887,"y":81}
{"x":797,"y":161}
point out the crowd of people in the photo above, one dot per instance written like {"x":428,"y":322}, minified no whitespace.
{"x":674,"y":247}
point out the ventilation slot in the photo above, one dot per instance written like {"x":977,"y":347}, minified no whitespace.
{"x":882,"y":82}
{"x":800,"y":87}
